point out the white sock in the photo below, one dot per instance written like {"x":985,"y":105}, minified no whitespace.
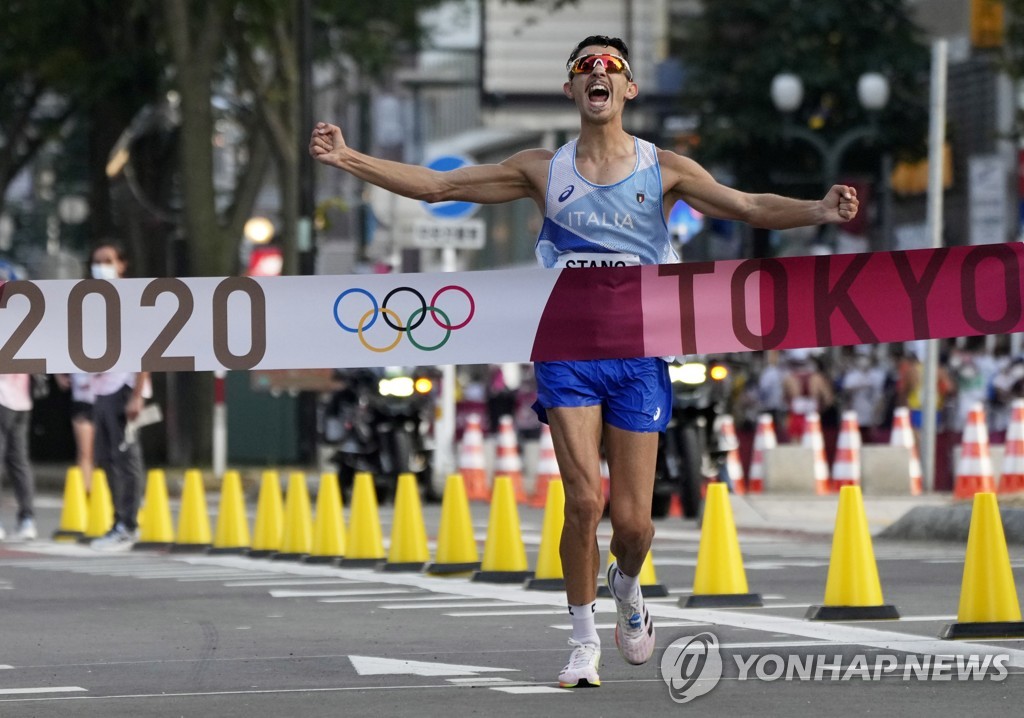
{"x":583,"y":628}
{"x":623,"y":585}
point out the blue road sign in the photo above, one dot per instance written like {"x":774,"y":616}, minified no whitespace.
{"x":449,"y":210}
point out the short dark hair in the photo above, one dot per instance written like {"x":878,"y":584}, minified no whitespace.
{"x":603,"y":40}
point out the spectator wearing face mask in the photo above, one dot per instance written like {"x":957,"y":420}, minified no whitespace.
{"x":118,"y":398}
{"x":862,"y":389}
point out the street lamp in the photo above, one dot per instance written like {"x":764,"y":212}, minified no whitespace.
{"x":787,"y":91}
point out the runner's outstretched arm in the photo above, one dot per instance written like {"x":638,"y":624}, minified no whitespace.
{"x":689,"y":181}
{"x":484,"y":184}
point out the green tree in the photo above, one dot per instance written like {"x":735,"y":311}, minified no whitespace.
{"x":249,"y":48}
{"x":732,"y":52}
{"x":1012,"y":55}
{"x":73,"y":66}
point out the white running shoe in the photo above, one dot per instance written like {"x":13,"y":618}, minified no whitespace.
{"x":26,"y":531}
{"x":117,"y":539}
{"x":634,"y":629}
{"x":581,"y":670}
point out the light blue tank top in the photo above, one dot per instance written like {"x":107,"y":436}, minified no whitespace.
{"x":592,"y":225}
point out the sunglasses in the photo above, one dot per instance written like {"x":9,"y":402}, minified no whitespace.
{"x":612,"y":64}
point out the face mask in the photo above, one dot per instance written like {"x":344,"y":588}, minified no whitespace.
{"x":103,"y":271}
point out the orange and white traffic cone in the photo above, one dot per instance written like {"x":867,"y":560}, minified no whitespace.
{"x":903,"y":435}
{"x":813,"y":439}
{"x":508,"y":462}
{"x":547,"y":468}
{"x":764,"y":440}
{"x":1012,"y":479}
{"x":472,"y":465}
{"x":733,"y":464}
{"x":675,"y":505}
{"x":846,"y":467}
{"x":974,"y":469}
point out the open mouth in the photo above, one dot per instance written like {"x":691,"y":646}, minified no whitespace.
{"x":598,"y":94}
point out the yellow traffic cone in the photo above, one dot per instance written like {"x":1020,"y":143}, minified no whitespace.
{"x":648,"y":579}
{"x":232,"y":534}
{"x":988,"y":596}
{"x":504,"y":553}
{"x":156,"y":530}
{"x":329,"y":523}
{"x":852,"y":591}
{"x":456,"y":546}
{"x":297,"y":539}
{"x":365,"y":544}
{"x":548,"y":575}
{"x":74,"y":514}
{"x":101,"y":508}
{"x":408,"y":550}
{"x":719,"y":580}
{"x":193,"y":521}
{"x":269,"y":524}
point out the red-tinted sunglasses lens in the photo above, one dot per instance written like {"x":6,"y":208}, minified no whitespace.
{"x":587,"y":63}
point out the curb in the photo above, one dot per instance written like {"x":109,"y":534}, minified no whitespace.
{"x":949,"y":523}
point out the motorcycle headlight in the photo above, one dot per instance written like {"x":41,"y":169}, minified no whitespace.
{"x":689,"y":373}
{"x":719,"y":372}
{"x":423,"y":385}
{"x":400,"y":386}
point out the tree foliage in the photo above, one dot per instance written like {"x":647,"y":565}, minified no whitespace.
{"x":1012,"y":55}
{"x":72,"y":65}
{"x":736,"y":47}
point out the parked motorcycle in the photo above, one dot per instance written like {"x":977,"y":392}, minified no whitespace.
{"x":693,"y":448}
{"x":381,"y":424}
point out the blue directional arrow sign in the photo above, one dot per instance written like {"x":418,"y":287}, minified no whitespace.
{"x":449,"y":210}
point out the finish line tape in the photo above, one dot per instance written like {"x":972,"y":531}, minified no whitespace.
{"x":310,"y":322}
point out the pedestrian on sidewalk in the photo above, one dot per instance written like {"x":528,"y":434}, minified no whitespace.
{"x":118,"y":398}
{"x":15,"y":417}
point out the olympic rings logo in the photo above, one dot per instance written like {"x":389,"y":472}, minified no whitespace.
{"x":394,"y":320}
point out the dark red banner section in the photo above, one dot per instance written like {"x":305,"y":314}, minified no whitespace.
{"x":783,"y":303}
{"x":590,"y":313}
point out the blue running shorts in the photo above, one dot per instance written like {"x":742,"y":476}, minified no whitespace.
{"x":634,"y":394}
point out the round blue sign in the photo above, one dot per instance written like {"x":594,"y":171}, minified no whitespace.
{"x":449,"y":210}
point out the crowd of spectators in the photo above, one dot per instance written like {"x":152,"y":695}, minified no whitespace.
{"x":872,"y":380}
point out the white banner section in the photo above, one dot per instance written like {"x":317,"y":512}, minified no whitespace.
{"x":238,"y":323}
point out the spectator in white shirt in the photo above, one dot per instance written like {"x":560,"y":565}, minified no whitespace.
{"x":118,"y":400}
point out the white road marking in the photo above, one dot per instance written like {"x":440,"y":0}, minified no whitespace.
{"x":340,"y":592}
{"x":479,"y":680}
{"x":526,"y":612}
{"x":530,"y":689}
{"x":209,"y":577}
{"x":917,"y":618}
{"x":480,"y":604}
{"x":373,"y":599}
{"x":45,"y":689}
{"x":291,"y":582}
{"x":376,"y":666}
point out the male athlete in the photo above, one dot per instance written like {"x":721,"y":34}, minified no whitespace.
{"x":622,"y":403}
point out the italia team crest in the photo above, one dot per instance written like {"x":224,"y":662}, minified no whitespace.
{"x":640,"y":197}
